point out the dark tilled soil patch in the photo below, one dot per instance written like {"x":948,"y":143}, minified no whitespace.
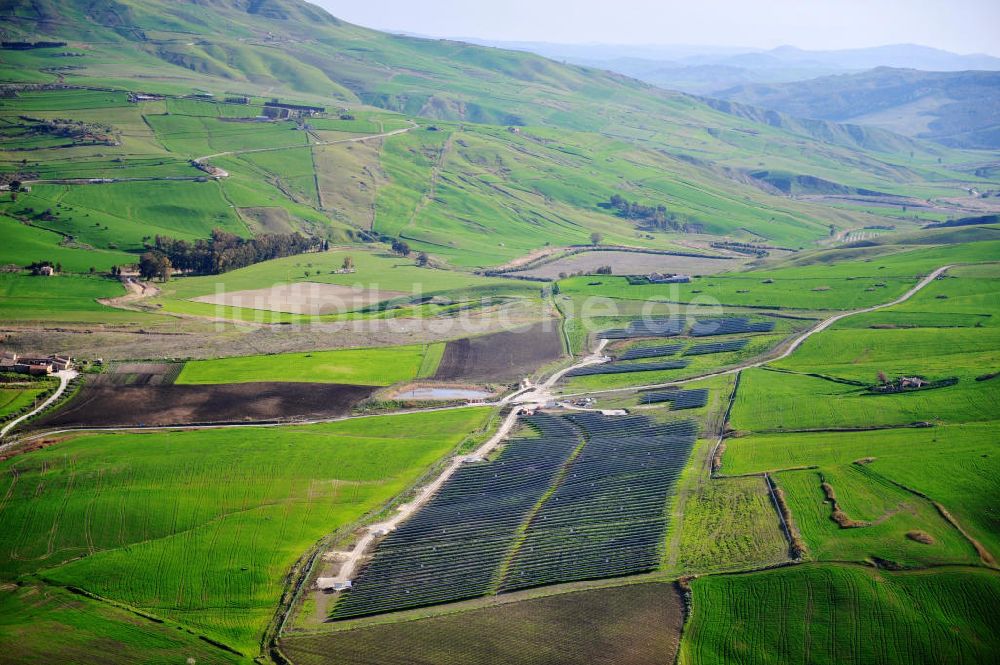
{"x":502,"y":356}
{"x":639,"y":624}
{"x":133,"y":405}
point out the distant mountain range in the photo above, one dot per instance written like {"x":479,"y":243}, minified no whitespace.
{"x":708,"y":69}
{"x":912,"y":90}
{"x":957,"y":109}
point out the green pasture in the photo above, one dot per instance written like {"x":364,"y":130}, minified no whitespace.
{"x":24,"y":244}
{"x":839,"y":613}
{"x":844,"y":281}
{"x":725,"y":523}
{"x":775,"y":401}
{"x":61,"y":298}
{"x":198,"y":136}
{"x":965,"y":477}
{"x":15,"y":398}
{"x":968,"y":295}
{"x":122,"y":216}
{"x":377,"y":366}
{"x":150,"y":521}
{"x":42,"y":624}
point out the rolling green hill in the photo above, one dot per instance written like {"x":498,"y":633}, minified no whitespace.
{"x":525,"y":149}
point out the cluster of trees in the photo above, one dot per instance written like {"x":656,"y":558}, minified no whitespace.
{"x":154,"y":264}
{"x":36,"y":267}
{"x":225,"y":251}
{"x":402,"y":248}
{"x":654,"y":216}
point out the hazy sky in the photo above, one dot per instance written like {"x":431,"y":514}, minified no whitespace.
{"x":963,"y":26}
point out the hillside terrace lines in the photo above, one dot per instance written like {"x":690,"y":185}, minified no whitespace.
{"x":215,"y":172}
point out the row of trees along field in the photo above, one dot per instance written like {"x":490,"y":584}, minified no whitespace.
{"x":222,"y":252}
{"x":654,"y":216}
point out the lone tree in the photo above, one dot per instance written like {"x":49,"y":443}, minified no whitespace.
{"x":423,"y":259}
{"x":400,"y":247}
{"x":596,"y":238}
{"x":348,"y":264}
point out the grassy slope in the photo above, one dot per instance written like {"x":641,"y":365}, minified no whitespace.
{"x":89,"y":631}
{"x":843,"y":280}
{"x":838,"y":614}
{"x":62,"y":298}
{"x":965,"y":480}
{"x":157,"y":527}
{"x":365,"y":367}
{"x":489,"y":184}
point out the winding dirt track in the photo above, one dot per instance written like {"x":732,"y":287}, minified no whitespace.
{"x":785,"y":350}
{"x":356,"y":139}
{"x":205,"y":158}
{"x":65,"y":376}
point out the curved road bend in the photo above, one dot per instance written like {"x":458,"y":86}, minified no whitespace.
{"x":65,"y":376}
{"x":789,"y":348}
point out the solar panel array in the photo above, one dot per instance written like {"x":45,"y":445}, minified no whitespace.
{"x":625,"y":368}
{"x":730,"y":325}
{"x":607,"y":517}
{"x":453,"y":546}
{"x":679,"y":399}
{"x":639,"y":352}
{"x":647,"y":328}
{"x":716,"y":347}
{"x":533,"y":516}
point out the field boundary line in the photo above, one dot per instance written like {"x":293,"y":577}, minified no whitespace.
{"x":985,"y":556}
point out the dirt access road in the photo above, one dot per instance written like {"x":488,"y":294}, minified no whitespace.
{"x":356,"y":139}
{"x":65,"y":376}
{"x":216,"y":173}
{"x":782,"y":351}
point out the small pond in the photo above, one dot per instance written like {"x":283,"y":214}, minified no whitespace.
{"x":443,"y":394}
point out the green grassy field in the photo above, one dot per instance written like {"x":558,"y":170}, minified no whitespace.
{"x":838,"y":614}
{"x":24,"y":244}
{"x":964,"y":482}
{"x":727,"y":524}
{"x":40,"y":624}
{"x":776,"y":401}
{"x":15,"y":398}
{"x":64,"y":298}
{"x":123,"y":215}
{"x":834,"y":281}
{"x":147,"y":519}
{"x":378,"y":366}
